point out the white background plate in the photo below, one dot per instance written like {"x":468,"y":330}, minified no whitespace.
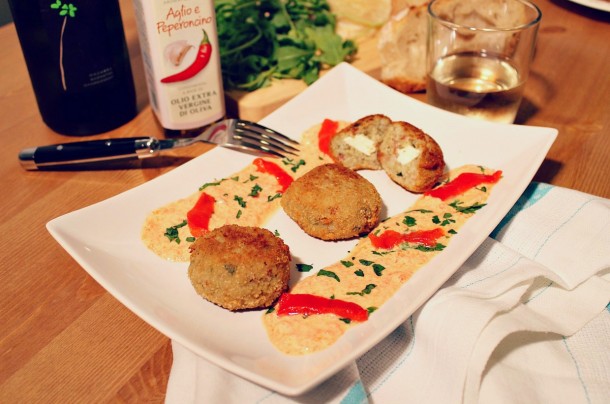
{"x":105,"y":238}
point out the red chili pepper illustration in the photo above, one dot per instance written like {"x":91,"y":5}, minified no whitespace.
{"x":201,"y":61}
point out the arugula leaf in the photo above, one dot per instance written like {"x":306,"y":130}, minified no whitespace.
{"x":267,"y":39}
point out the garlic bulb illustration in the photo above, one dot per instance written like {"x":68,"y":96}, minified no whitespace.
{"x":175,"y":51}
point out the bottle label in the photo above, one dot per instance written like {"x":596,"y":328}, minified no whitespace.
{"x":181,"y":56}
{"x":75,"y":28}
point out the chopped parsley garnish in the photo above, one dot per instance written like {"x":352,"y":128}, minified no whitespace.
{"x":276,"y":233}
{"x":347,"y":264}
{"x":172,"y":232}
{"x":409,"y":221}
{"x":420,"y":211}
{"x":381,"y":253}
{"x":420,"y":247}
{"x":238,"y":215}
{"x":256,"y":189}
{"x":211,"y":184}
{"x":271,"y":198}
{"x":359,"y":272}
{"x":236,"y":178}
{"x":378,"y":268}
{"x":270,"y":310}
{"x":466,"y":209}
{"x":295,"y":165}
{"x":371,"y":309}
{"x":240,"y":201}
{"x":190,"y":239}
{"x":365,"y":262}
{"x":482,"y":189}
{"x":366,"y":291}
{"x":447,"y":219}
{"x":345,"y":320}
{"x":304,"y":267}
{"x":330,"y":274}
{"x":252,"y":178}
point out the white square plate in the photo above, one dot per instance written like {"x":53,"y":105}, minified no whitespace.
{"x":105,"y":238}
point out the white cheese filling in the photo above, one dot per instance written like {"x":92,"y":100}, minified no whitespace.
{"x":361,"y":143}
{"x":407,"y":154}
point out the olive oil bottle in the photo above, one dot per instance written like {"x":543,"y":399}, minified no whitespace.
{"x":77,"y":58}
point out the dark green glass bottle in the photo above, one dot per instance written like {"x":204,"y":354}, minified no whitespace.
{"x":78,"y":63}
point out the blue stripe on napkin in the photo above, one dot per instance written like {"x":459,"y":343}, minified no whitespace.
{"x":532,"y":194}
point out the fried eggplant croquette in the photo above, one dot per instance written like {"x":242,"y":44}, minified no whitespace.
{"x":410,"y":157}
{"x":238,"y":267}
{"x":332,"y":202}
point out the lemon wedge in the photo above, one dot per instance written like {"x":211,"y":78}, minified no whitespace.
{"x":370,"y":13}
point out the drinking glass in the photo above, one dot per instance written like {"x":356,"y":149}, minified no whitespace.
{"x":479,"y":54}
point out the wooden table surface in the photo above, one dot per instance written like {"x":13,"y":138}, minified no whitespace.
{"x":63,"y":338}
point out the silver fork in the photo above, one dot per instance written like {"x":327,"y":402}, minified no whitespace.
{"x":232,"y":133}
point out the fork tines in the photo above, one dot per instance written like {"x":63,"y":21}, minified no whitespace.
{"x":251,"y":134}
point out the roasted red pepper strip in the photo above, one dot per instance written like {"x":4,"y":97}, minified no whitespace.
{"x":463,"y":183}
{"x":391,"y":238}
{"x":325,"y":135}
{"x":198,"y":218}
{"x":306,"y":304}
{"x":203,"y":58}
{"x":283,"y":179}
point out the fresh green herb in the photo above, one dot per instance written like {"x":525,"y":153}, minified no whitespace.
{"x":330,"y":274}
{"x":346,"y":320}
{"x":252,"y":178}
{"x":466,"y":209}
{"x":304,"y":267}
{"x":190,"y":239}
{"x":295,"y":165}
{"x":378,"y":268}
{"x":270,"y":310}
{"x":256,"y":189}
{"x":482,"y":189}
{"x":276,"y":233}
{"x":371,"y":309}
{"x":268,"y":39}
{"x":211,"y":184}
{"x":236,"y":178}
{"x":420,"y":211}
{"x":451,"y":231}
{"x":409,"y":221}
{"x":365,"y":262}
{"x":359,"y":272}
{"x":238,"y":215}
{"x":271,"y":198}
{"x":240,"y":201}
{"x":347,"y":264}
{"x":367,"y":290}
{"x":447,"y":219}
{"x":382,"y":253}
{"x":172,"y":232}
{"x":421,"y":247}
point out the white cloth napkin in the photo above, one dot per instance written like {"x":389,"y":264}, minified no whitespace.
{"x":526,"y":319}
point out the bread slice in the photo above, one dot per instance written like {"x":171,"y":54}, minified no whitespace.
{"x":410,"y":157}
{"x":355,"y":146}
{"x":402,"y":50}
